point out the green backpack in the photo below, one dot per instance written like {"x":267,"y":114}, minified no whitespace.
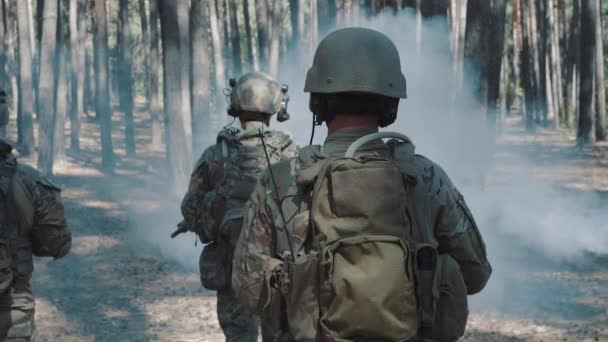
{"x":243,"y":164}
{"x":358,"y":281}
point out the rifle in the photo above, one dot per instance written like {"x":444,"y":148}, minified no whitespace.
{"x":276,"y":191}
{"x":181,"y":228}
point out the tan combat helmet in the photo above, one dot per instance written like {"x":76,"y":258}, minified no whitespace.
{"x":357,"y":60}
{"x":260,"y":93}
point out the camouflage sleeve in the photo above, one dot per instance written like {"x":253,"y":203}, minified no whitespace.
{"x":455,"y":228}
{"x":291,"y":149}
{"x":51,"y":236}
{"x":253,"y":261}
{"x":202,"y":181}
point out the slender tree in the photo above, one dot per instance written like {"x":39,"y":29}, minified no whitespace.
{"x":275,"y":38}
{"x":178,"y":149}
{"x":201,"y":77}
{"x":237,"y":58}
{"x":77,"y":38}
{"x":26,"y":90}
{"x":263,"y":30}
{"x":600,"y":91}
{"x":125,"y":77}
{"x":46,"y":98}
{"x":3,"y":59}
{"x":588,"y":66}
{"x":102,"y":84}
{"x":145,"y":37}
{"x":154,"y":72}
{"x":61,"y":90}
{"x":218,"y":59}
{"x":183,"y":23}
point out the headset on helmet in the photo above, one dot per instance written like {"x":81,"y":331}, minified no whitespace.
{"x":282,"y":114}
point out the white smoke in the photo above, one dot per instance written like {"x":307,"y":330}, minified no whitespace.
{"x":516,"y":212}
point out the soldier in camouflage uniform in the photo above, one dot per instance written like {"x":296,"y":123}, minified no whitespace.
{"x":222,"y":182}
{"x":355,"y":84}
{"x":33,"y":223}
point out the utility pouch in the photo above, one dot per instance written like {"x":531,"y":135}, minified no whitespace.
{"x":426,"y":284}
{"x":452,"y":307}
{"x":214,"y":275}
{"x":301,"y":293}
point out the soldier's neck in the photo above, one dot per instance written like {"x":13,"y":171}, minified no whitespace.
{"x":349,"y":122}
{"x":247,"y":125}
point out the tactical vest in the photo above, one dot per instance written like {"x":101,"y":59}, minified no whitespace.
{"x":16,"y":259}
{"x":368,"y":269}
{"x":244,"y":161}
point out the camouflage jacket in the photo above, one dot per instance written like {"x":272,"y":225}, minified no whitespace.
{"x":262,"y":244}
{"x":42,"y":228}
{"x":209,"y":172}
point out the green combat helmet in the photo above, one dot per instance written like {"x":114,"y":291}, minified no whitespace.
{"x":260,"y":93}
{"x":357,"y":60}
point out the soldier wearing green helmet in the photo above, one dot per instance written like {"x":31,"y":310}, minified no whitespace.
{"x":222,"y":182}
{"x":358,"y":239}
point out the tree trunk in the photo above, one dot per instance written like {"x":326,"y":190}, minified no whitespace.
{"x":263,"y":32}
{"x":183,"y":23}
{"x":275,"y":38}
{"x":235,"y":36}
{"x":26,"y":89}
{"x":600,"y":91}
{"x":145,"y":37}
{"x":61,"y":93}
{"x":476,"y":52}
{"x":202,"y":131}
{"x":125,"y":77}
{"x":251,"y":30}
{"x":4,"y":17}
{"x":587,"y":67}
{"x":178,"y":152}
{"x":77,"y":37}
{"x":154,"y":73}
{"x":46,"y":99}
{"x":102,"y":84}
{"x":495,"y":46}
{"x":218,"y":63}
{"x":517,"y":56}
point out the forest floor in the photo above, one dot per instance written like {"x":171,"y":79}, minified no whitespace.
{"x":126,"y":280}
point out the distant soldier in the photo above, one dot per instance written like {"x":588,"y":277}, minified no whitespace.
{"x":4,"y":112}
{"x":33,"y":223}
{"x":222,"y":182}
{"x":358,"y":240}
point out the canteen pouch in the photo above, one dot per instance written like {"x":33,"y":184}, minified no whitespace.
{"x":214,"y":275}
{"x":300,"y":289}
{"x":451,"y":310}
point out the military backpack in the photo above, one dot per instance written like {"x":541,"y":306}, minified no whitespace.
{"x":243,"y":161}
{"x":366,"y":273}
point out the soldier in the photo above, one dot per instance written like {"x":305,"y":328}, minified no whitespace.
{"x":33,"y":223}
{"x":359,"y":239}
{"x":223,"y":180}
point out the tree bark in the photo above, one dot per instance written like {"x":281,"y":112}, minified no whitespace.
{"x":183,"y":23}
{"x":125,"y":77}
{"x":102,"y":84}
{"x":201,"y":77}
{"x":235,"y":36}
{"x":46,"y":99}
{"x":178,"y":149}
{"x":77,"y":38}
{"x":600,"y":91}
{"x":587,"y":67}
{"x":218,"y":62}
{"x":26,"y":89}
{"x":275,"y":38}
{"x":263,"y":32}
{"x":495,"y":46}
{"x":61,"y":92}
{"x":154,"y":73}
{"x":145,"y":37}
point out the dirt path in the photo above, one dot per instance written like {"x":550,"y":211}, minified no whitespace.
{"x":125,"y":280}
